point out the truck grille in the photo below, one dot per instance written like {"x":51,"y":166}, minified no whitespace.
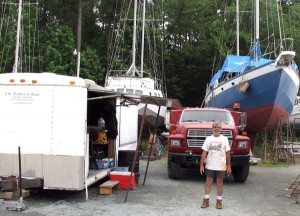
{"x":196,"y":137}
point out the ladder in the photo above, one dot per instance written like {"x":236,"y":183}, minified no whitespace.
{"x":161,"y":149}
{"x":294,"y":188}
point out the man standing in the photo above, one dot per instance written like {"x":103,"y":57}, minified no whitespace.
{"x":216,"y":149}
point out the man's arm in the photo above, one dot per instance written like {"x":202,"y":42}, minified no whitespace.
{"x":203,"y":156}
{"x":228,"y":163}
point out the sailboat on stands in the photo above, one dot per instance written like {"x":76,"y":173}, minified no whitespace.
{"x":266,"y":89}
{"x":135,"y":80}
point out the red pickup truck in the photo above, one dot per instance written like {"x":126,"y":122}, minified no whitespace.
{"x":190,"y":126}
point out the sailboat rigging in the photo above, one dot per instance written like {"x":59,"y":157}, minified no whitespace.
{"x":15,"y":67}
{"x":265,"y":88}
{"x":134,"y":80}
{"x":19,"y":37}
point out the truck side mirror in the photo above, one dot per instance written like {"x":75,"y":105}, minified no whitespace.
{"x":243,"y":121}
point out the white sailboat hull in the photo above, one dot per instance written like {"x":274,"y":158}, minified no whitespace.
{"x":133,"y":85}
{"x":140,"y":86}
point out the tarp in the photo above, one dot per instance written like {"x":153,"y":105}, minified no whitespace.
{"x":237,"y":64}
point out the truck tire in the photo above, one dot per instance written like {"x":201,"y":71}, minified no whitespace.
{"x":240,"y":173}
{"x":174,"y":170}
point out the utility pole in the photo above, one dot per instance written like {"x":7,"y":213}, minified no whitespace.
{"x":79,"y":24}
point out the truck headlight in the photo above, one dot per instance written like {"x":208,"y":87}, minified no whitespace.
{"x":175,"y":142}
{"x":242,"y":144}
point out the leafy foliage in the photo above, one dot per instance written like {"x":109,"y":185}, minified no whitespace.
{"x":196,"y":38}
{"x":91,"y":66}
{"x":58,"y":46}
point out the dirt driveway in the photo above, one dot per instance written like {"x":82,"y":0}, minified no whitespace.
{"x":262,"y":194}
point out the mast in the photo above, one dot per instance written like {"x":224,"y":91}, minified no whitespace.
{"x":132,"y":67}
{"x":279,"y":25}
{"x":256,"y":30}
{"x":143,"y":39}
{"x":15,"y":67}
{"x":79,"y":35}
{"x":237,"y":28}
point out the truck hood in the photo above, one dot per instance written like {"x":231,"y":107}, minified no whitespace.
{"x":184,"y":126}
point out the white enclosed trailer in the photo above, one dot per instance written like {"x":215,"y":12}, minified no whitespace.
{"x":50,"y":118}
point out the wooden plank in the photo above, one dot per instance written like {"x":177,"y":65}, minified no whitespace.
{"x":105,"y":191}
{"x":6,"y":195}
{"x":109,"y":183}
{"x":12,"y":194}
{"x":106,"y":187}
{"x":25,"y":193}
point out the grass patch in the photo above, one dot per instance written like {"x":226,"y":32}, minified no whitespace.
{"x":274,"y":164}
{"x":144,"y":144}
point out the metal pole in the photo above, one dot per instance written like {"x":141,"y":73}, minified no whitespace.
{"x":15,"y":67}
{"x":79,"y":23}
{"x":20,"y":173}
{"x":136,"y":151}
{"x":134,"y":38}
{"x":237,"y":28}
{"x":151,"y":144}
{"x":256,"y":29}
{"x":143,"y":39}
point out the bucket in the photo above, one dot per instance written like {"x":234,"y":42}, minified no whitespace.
{"x":101,"y":124}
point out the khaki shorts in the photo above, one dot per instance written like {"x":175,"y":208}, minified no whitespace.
{"x":214,"y":173}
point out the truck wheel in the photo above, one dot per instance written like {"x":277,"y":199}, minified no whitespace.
{"x":240,"y":173}
{"x":174,"y":170}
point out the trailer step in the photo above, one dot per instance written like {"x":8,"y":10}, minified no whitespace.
{"x":106,"y":187}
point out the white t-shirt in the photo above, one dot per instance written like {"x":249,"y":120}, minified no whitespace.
{"x":216,"y":148}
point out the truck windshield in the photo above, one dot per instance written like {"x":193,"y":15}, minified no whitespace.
{"x":206,"y":116}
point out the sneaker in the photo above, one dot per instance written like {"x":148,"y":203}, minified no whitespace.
{"x":205,"y":203}
{"x":219,"y":204}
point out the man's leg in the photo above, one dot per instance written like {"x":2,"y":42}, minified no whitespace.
{"x":219,"y":193}
{"x":209,"y":181}
{"x":219,"y":186}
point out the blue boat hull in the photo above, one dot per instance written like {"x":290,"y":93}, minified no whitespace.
{"x":268,"y":101}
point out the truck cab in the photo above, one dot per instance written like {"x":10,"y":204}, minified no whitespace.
{"x":189,"y":129}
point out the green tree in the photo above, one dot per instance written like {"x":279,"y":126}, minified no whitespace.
{"x":195,"y":43}
{"x":28,"y":38}
{"x":57,"y":50}
{"x":91,"y":67}
{"x":189,"y":48}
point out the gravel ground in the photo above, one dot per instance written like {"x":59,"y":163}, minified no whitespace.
{"x":262,"y":194}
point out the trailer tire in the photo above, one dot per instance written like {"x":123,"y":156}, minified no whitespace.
{"x":174,"y":170}
{"x":240,"y":173}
